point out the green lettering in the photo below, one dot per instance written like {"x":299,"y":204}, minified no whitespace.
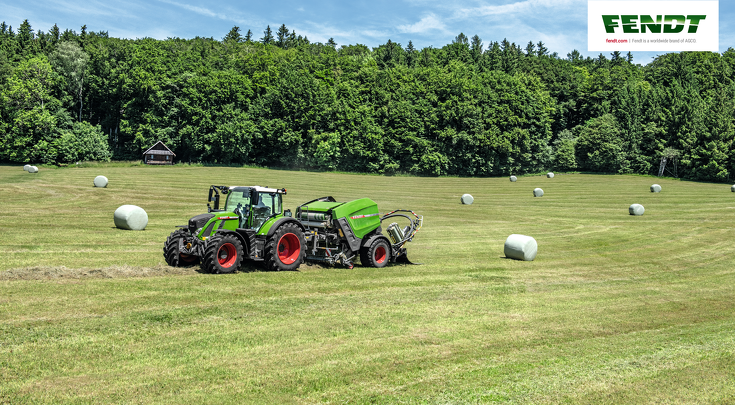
{"x":694,"y":22}
{"x":674,"y":28}
{"x":630,"y":22}
{"x":610,"y":24}
{"x":647,"y":22}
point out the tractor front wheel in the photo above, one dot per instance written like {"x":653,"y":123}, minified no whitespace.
{"x":377,"y":254}
{"x":286,"y":249}
{"x":222,"y":254}
{"x":171,"y":253}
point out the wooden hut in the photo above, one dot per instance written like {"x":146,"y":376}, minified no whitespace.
{"x":158,"y":154}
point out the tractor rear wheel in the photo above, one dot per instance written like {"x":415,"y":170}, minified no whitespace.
{"x":171,"y":253}
{"x":222,"y":254}
{"x":377,"y":254}
{"x":286,"y":249}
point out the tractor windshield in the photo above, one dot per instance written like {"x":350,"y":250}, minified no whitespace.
{"x":268,"y":204}
{"x":238,"y":196}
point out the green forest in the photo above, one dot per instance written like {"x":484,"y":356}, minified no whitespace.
{"x":468,"y":108}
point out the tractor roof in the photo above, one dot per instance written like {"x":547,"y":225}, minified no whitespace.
{"x":260,"y":189}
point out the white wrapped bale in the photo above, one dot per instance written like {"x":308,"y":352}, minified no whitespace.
{"x":100,"y":181}
{"x":26,"y":167}
{"x":131,"y":217}
{"x":732,"y":188}
{"x":33,"y":169}
{"x":513,"y":179}
{"x":537,"y":192}
{"x":636,"y":209}
{"x":467,"y":199}
{"x":520,"y":247}
{"x":550,"y":175}
{"x":655,"y":188}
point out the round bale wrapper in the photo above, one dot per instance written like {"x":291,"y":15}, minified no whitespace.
{"x":550,"y":175}
{"x":26,"y":167}
{"x":537,"y":192}
{"x":100,"y":181}
{"x":131,"y":217}
{"x":655,"y":188}
{"x":636,"y":209}
{"x":520,"y":247}
{"x":513,"y":179}
{"x":467,"y":199}
{"x":33,"y":169}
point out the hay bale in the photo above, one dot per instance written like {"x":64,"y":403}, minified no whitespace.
{"x":520,"y":247}
{"x":732,"y":188}
{"x":537,"y":192}
{"x":467,"y":199}
{"x":550,"y":175}
{"x":636,"y":209}
{"x":33,"y":169}
{"x":26,"y":167}
{"x":655,"y":188}
{"x":513,"y":179}
{"x":100,"y":181}
{"x":131,"y":217}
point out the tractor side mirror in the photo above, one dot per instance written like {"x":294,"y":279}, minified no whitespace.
{"x":287,"y":213}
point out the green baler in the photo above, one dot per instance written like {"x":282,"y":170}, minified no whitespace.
{"x":336,"y":232}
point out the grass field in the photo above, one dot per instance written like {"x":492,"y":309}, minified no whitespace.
{"x":615,"y":308}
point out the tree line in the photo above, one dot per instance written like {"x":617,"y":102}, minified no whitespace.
{"x":466,"y":109}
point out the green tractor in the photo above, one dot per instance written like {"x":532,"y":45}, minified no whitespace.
{"x":253,"y":225}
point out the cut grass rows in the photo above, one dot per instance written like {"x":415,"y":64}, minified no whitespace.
{"x":615,"y":308}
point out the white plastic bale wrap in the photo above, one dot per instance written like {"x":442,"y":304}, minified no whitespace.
{"x":732,"y":188}
{"x":636,"y":209}
{"x":537,"y":192}
{"x":655,"y":188}
{"x":550,"y":175}
{"x":520,"y":247}
{"x":513,"y":179}
{"x":131,"y":217}
{"x":100,"y":181}
{"x":33,"y":169}
{"x":26,"y":167}
{"x":467,"y":199}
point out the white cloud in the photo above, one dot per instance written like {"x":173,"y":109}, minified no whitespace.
{"x":526,"y":6}
{"x":428,"y":23}
{"x":208,"y":13}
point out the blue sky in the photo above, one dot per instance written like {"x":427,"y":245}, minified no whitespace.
{"x":561,"y":25}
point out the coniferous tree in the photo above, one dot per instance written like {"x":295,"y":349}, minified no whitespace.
{"x":267,"y":36}
{"x":233,"y":35}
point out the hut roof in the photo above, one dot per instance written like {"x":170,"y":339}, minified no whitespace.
{"x":159,"y":149}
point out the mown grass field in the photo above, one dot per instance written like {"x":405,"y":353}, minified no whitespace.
{"x":615,"y":308}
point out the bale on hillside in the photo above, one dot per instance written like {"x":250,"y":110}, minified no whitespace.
{"x":732,"y":188}
{"x":467,"y":199}
{"x":537,"y":192}
{"x":520,"y":247}
{"x":636,"y":209}
{"x":33,"y":169}
{"x":513,"y":179}
{"x":550,"y":175}
{"x":100,"y":181}
{"x":655,"y":188}
{"x":26,"y":167}
{"x":131,"y":217}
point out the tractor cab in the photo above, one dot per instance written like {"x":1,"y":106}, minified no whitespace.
{"x":253,"y":205}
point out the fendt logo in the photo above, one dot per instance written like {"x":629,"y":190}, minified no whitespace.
{"x":635,"y":24}
{"x":653,"y":26}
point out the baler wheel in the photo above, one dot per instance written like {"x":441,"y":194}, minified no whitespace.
{"x":171,"y":251}
{"x":377,"y":255}
{"x":286,"y":248}
{"x":222,"y":254}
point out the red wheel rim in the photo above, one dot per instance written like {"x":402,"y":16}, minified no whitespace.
{"x":289,"y":248}
{"x":226,"y":255}
{"x":380,"y":254}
